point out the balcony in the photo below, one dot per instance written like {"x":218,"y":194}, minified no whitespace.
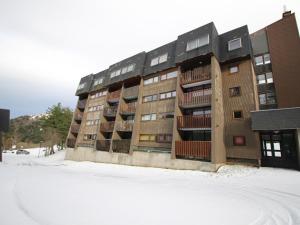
{"x":121,"y":146}
{"x":110,"y":111}
{"x":75,"y":128}
{"x":125,"y":126}
{"x":114,"y":96}
{"x":131,"y":93}
{"x":193,"y":149}
{"x":71,"y":143}
{"x":195,"y":77}
{"x":103,"y":145}
{"x":193,"y":122}
{"x":194,"y":99}
{"x":78,"y":116}
{"x":107,"y":126}
{"x":81,"y":104}
{"x":128,"y":109}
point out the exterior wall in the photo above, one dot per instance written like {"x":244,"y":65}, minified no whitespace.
{"x":298,"y":142}
{"x":246,"y":102}
{"x":218,"y":153}
{"x":159,"y":160}
{"x":284,"y":45}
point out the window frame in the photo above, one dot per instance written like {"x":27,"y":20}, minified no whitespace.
{"x":232,"y":41}
{"x":197,"y":41}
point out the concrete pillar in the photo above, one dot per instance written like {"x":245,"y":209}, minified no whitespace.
{"x":218,"y":151}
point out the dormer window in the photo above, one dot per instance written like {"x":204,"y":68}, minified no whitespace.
{"x":98,"y":81}
{"x":234,"y":44}
{"x":159,"y":59}
{"x":197,"y":43}
{"x":81,"y":86}
{"x":123,"y":70}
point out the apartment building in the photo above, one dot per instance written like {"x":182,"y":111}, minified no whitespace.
{"x":194,"y":103}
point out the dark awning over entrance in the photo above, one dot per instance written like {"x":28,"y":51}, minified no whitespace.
{"x":276,"y":119}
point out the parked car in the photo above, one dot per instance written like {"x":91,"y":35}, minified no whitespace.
{"x":22,"y":152}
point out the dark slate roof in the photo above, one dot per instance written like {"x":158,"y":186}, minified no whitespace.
{"x":183,"y":55}
{"x":102,"y":74}
{"x":138,"y":60}
{"x":276,"y":119}
{"x":88,"y":82}
{"x":246,"y":50}
{"x":168,"y":48}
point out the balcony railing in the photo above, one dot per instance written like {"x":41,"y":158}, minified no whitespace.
{"x":81,"y":104}
{"x":194,"y":99}
{"x":125,"y":126}
{"x":107,"y":126}
{"x":128,"y":109}
{"x":71,"y":142}
{"x":110,"y":111}
{"x":193,"y":149}
{"x":114,"y":96}
{"x":121,"y":146}
{"x":75,"y":128}
{"x":196,"y":75}
{"x":103,"y":145}
{"x":78,"y":116}
{"x":131,"y":93}
{"x":193,"y":122}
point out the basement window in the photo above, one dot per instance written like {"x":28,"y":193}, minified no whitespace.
{"x":234,"y":44}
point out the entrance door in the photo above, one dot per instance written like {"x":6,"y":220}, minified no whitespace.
{"x":279,"y":149}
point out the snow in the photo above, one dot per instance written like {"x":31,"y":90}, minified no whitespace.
{"x":51,"y":191}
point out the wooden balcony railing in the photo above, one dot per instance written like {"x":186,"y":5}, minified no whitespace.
{"x":110,"y":111}
{"x":78,"y":116}
{"x":75,"y":128}
{"x":196,"y":75}
{"x":121,"y":146}
{"x":125,"y":126}
{"x":81,"y":104}
{"x":107,"y":126}
{"x":193,"y":149}
{"x":194,"y":99}
{"x":191,"y":122}
{"x":114,"y":96}
{"x":71,"y":142}
{"x":131,"y":93}
{"x":90,"y":144}
{"x":103,"y":145}
{"x":128,"y":109}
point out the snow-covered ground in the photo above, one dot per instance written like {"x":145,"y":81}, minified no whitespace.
{"x":51,"y":191}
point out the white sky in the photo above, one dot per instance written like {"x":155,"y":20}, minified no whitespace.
{"x":47,"y":46}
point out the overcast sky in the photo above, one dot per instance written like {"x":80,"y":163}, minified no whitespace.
{"x":47,"y":46}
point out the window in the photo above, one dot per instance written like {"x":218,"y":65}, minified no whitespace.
{"x":150,"y":98}
{"x":148,"y":117}
{"x":259,"y":60}
{"x":151,"y":80}
{"x":235,"y":91}
{"x":159,"y":59}
{"x":123,"y":70}
{"x":234,"y":69}
{"x":265,"y":78}
{"x":98,"y":81}
{"x":237,"y":114}
{"x":98,"y":94}
{"x":262,"y":99}
{"x":81,"y":86}
{"x":95,"y":108}
{"x":197,"y":43}
{"x":167,"y":95}
{"x":267,"y":98}
{"x":147,"y":137}
{"x":168,"y":75}
{"x":234,"y":44}
{"x":262,"y":59}
{"x":164,"y":138}
{"x":167,"y":115}
{"x":88,"y":137}
{"x":239,"y":140}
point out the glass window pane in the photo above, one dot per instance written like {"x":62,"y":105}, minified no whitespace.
{"x":172,"y":75}
{"x":234,"y":44}
{"x":269,"y":153}
{"x":163,"y":58}
{"x":269,"y":77}
{"x":154,"y":61}
{"x":277,"y":154}
{"x":153,"y":116}
{"x":124,"y":70}
{"x":196,"y":43}
{"x":233,"y":69}
{"x":261,"y":79}
{"x":276,"y":145}
{"x":162,"y":96}
{"x":259,"y":60}
{"x":163,"y":77}
{"x":267,"y":58}
{"x":268,"y":145}
{"x":155,"y":79}
{"x":262,"y":99}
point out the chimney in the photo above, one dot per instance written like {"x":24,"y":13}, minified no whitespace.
{"x":285,"y":12}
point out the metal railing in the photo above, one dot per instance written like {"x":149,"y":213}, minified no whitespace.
{"x":121,"y":146}
{"x":193,"y":149}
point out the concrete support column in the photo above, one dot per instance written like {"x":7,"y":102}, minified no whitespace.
{"x":218,"y":151}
